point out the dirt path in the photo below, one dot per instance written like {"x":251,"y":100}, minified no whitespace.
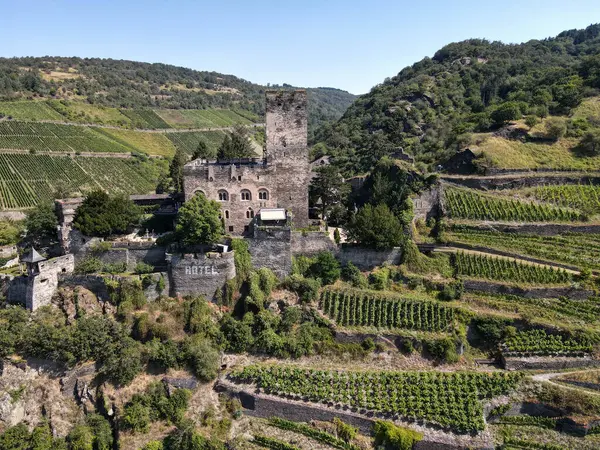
{"x":547,"y":377}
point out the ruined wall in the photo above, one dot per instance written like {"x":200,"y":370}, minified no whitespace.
{"x":41,"y":287}
{"x":533,"y":292}
{"x":271,"y":247}
{"x":14,"y":288}
{"x":311,"y":242}
{"x":93,"y":283}
{"x":427,"y":204}
{"x":366,"y":258}
{"x":200,"y":274}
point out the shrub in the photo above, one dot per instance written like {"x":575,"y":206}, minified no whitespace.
{"x":103,"y":437}
{"x":344,"y":431}
{"x":237,"y":334}
{"x":368,"y":344}
{"x":353,"y":275}
{"x":555,"y":128}
{"x":393,"y":437}
{"x":380,"y":278}
{"x":326,"y":267}
{"x":267,"y":280}
{"x":202,"y":357}
{"x":89,"y":265}
{"x":336,"y":236}
{"x":81,"y":438}
{"x":443,"y":349}
{"x":376,"y":227}
{"x":590,"y":143}
{"x":531,"y":121}
{"x":301,"y":265}
{"x":306,"y":288}
{"x":142,"y":267}
{"x":506,"y":112}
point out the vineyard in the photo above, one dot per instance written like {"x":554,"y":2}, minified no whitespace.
{"x":448,"y":399}
{"x":354,"y":307}
{"x":26,"y":180}
{"x":204,"y":118}
{"x":28,"y":110}
{"x":538,"y":342}
{"x":312,"y":433}
{"x":585,"y":198}
{"x":468,"y":204}
{"x":50,"y":137}
{"x":145,"y":118}
{"x":188,"y":141}
{"x":503,"y":269}
{"x":140,"y":141}
{"x":580,"y":250}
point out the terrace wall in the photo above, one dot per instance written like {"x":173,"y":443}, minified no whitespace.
{"x":534,"y":292}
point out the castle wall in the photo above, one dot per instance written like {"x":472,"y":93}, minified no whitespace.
{"x":312,"y":242}
{"x":42,"y":286}
{"x":14,"y":289}
{"x":200,"y":274}
{"x":272,"y":248}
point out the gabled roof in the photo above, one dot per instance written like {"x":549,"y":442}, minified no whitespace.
{"x":32,"y":256}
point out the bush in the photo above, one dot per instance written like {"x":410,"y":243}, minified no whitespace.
{"x":344,"y":431}
{"x":376,"y":227}
{"x":368,"y":344}
{"x":443,"y":349}
{"x":81,"y":438}
{"x":267,"y":280}
{"x":326,"y":267}
{"x":393,"y":437}
{"x":237,"y":334}
{"x":203,"y":358}
{"x":380,"y":278}
{"x":306,"y":288}
{"x":103,"y":437}
{"x":555,"y":128}
{"x":89,"y":265}
{"x":531,"y":121}
{"x":506,"y":112}
{"x":301,"y":265}
{"x":354,"y":276}
{"x":590,"y":143}
{"x":142,"y":267}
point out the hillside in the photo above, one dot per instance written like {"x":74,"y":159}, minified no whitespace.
{"x":439,"y":104}
{"x":130,"y":85}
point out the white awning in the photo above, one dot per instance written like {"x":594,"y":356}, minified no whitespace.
{"x":272,"y":214}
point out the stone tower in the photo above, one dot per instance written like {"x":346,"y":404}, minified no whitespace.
{"x":286,"y":130}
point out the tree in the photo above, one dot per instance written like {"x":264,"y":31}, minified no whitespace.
{"x":198,"y":221}
{"x":81,"y":438}
{"x":531,"y":121}
{"x":236,"y":144}
{"x":555,"y":128}
{"x":202,"y":151}
{"x":506,"y":112}
{"x":103,"y":215}
{"x":336,"y":236}
{"x":41,"y":226}
{"x":376,"y":227}
{"x":10,"y":231}
{"x":203,"y":357}
{"x":176,"y":170}
{"x":590,"y":143}
{"x":326,"y":267}
{"x":329,"y":187}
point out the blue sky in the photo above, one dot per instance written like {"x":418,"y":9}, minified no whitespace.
{"x":350,"y":45}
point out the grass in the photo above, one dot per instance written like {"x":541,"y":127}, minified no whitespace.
{"x":149,"y":143}
{"x":29,"y":110}
{"x":86,"y":113}
{"x":512,"y":154}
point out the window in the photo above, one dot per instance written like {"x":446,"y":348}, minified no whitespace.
{"x":227,"y":214}
{"x":198,"y":191}
{"x":246,"y":195}
{"x":231,"y":228}
{"x":246,"y":228}
{"x":263,"y":194}
{"x":249,"y":213}
{"x":239,"y":178}
{"x":223,"y":196}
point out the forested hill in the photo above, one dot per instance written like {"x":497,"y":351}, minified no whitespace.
{"x":130,"y":84}
{"x":437,"y":105}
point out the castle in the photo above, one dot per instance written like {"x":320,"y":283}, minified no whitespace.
{"x":279,"y":180}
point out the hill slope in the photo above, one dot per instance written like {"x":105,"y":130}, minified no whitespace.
{"x":130,"y":84}
{"x":431,"y":108}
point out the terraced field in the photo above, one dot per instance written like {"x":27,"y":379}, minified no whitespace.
{"x":28,"y":110}
{"x":26,"y":180}
{"x":145,"y":118}
{"x":200,"y":118}
{"x":140,"y":141}
{"x":188,"y":141}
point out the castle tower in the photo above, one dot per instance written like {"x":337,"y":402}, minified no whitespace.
{"x":286,"y":130}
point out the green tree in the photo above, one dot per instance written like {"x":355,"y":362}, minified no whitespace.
{"x":41,"y":226}
{"x":176,"y":170}
{"x":10,"y":231}
{"x":103,"y":437}
{"x":15,"y":438}
{"x":326,"y":267}
{"x":203,"y":357}
{"x":506,"y":112}
{"x":41,"y":437}
{"x":531,"y":121}
{"x":336,"y":236}
{"x":376,"y":227}
{"x":328,"y":187}
{"x":202,"y":151}
{"x":236,"y":144}
{"x":81,"y":438}
{"x":198,"y":221}
{"x":103,"y":215}
{"x":590,"y":143}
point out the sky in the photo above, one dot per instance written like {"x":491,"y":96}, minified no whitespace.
{"x":347,"y":44}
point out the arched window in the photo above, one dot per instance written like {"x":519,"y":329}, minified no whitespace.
{"x":246,"y":195}
{"x":227,"y":214}
{"x":249,"y":213}
{"x":263,"y":194}
{"x":223,"y":195}
{"x":198,"y":191}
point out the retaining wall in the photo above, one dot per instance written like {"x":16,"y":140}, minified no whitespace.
{"x":520,"y":181}
{"x":272,"y":248}
{"x":548,"y":362}
{"x":541,"y":229}
{"x":366,"y":258}
{"x":534,"y":292}
{"x":311,"y":242}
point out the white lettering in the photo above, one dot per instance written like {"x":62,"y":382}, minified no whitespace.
{"x":201,"y":270}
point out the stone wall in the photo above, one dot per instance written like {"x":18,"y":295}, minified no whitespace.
{"x":541,"y":229}
{"x":15,"y":289}
{"x":366,"y":258}
{"x":427,"y":204}
{"x":521,"y":180}
{"x":311,"y":242}
{"x":93,"y":283}
{"x":533,"y":292}
{"x":200,"y":274}
{"x":271,"y":247}
{"x":128,"y":253}
{"x":42,"y":286}
{"x":548,"y":362}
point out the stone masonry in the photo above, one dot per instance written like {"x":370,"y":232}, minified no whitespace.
{"x":279,"y":180}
